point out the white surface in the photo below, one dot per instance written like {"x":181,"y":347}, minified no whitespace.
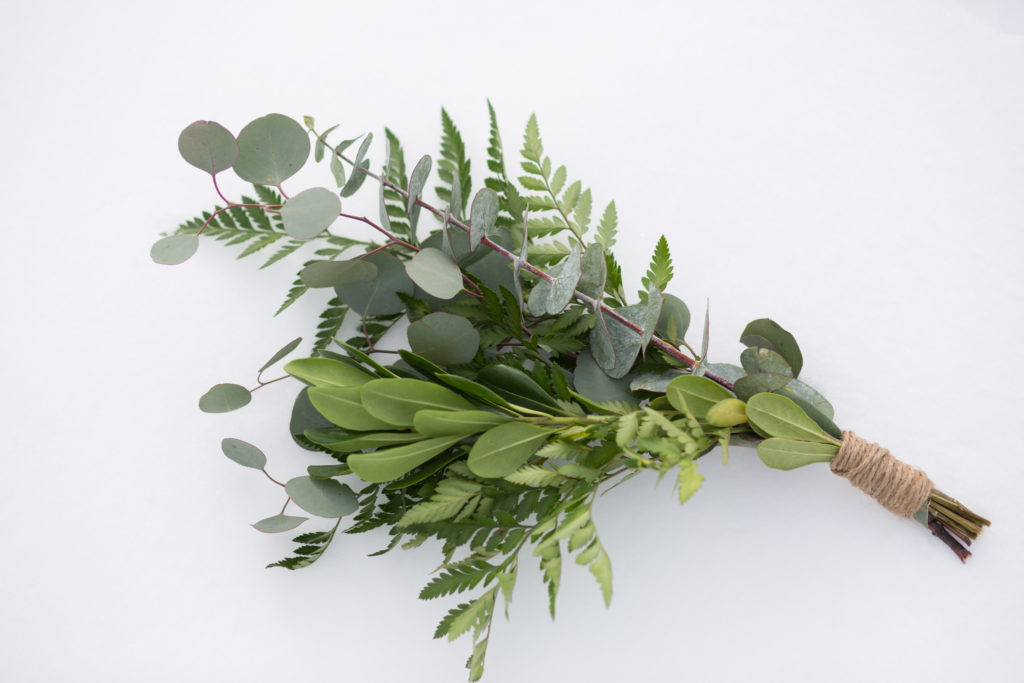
{"x":853,"y":169}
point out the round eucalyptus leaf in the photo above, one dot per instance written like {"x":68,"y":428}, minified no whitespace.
{"x":271,"y":149}
{"x":208,"y":146}
{"x":282,"y":352}
{"x":379,"y":295}
{"x":591,"y":382}
{"x":223,"y":398}
{"x":244,"y":453}
{"x":444,"y":338}
{"x":337,"y":273}
{"x":322,"y":497}
{"x":674,"y":319}
{"x":435,"y":272}
{"x":174,"y":249}
{"x":310,"y":212}
{"x":278,"y":523}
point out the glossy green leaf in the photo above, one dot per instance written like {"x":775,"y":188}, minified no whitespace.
{"x":282,"y":352}
{"x":820,"y":418}
{"x":756,"y":359}
{"x":271,"y":149}
{"x":475,"y":390}
{"x":343,"y":407}
{"x":444,"y":338}
{"x":322,"y":497}
{"x":362,"y":442}
{"x":208,"y":146}
{"x":278,"y":523}
{"x":674,"y":320}
{"x":447,"y":422}
{"x":223,"y":398}
{"x":482,"y":216}
{"x":728,"y":412}
{"x":591,"y":382}
{"x":504,"y":449}
{"x":337,"y":273}
{"x":305,"y":418}
{"x":310,"y":212}
{"x":552,"y":296}
{"x":694,"y":395}
{"x":396,"y":401}
{"x":391,"y":463}
{"x":518,"y":388}
{"x":337,"y":170}
{"x":417,"y":181}
{"x":435,"y":273}
{"x":244,"y":453}
{"x":784,"y":454}
{"x":425,"y":471}
{"x":766,"y":333}
{"x":778,"y":416}
{"x":425,"y":367}
{"x":174,"y":249}
{"x":319,"y":146}
{"x":379,"y":296}
{"x":327,"y":372}
{"x":328,"y":471}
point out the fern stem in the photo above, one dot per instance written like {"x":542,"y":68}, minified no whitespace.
{"x":579,"y":296}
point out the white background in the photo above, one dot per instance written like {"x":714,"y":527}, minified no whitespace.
{"x":853,"y":169}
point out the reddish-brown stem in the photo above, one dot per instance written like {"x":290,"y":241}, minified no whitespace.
{"x":217,"y":188}
{"x":271,"y":478}
{"x":262,"y":384}
{"x":940,"y":532}
{"x":288,"y":500}
{"x":664,"y":346}
{"x":391,"y":237}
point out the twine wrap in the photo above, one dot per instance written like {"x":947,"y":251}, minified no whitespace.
{"x":901,"y":488}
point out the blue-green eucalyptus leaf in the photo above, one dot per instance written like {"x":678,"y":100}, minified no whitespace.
{"x":310,"y":212}
{"x":208,"y":146}
{"x":282,"y":352}
{"x":756,"y":359}
{"x":766,"y":333}
{"x":435,"y":273}
{"x":615,"y":346}
{"x":593,"y":272}
{"x":319,"y":146}
{"x":652,"y":312}
{"x":174,"y":249}
{"x":591,"y":382}
{"x":759,"y":382}
{"x":417,"y":181}
{"x":674,"y":320}
{"x":244,"y":453}
{"x":483,"y":215}
{"x":444,"y":338}
{"x":379,"y":296}
{"x":223,"y":398}
{"x":337,"y":273}
{"x":356,"y":177}
{"x":271,"y":149}
{"x":278,"y":523}
{"x":552,"y":296}
{"x":322,"y":497}
{"x":811,"y":395}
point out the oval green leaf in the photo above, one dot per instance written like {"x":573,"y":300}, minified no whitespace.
{"x":779,"y":417}
{"x":444,"y":338}
{"x":768,"y":334}
{"x":343,"y":407}
{"x":482,"y":216}
{"x":327,"y":372}
{"x":223,"y":398}
{"x":474,"y":389}
{"x":504,"y":449}
{"x":674,"y":319}
{"x":784,"y":454}
{"x":282,"y":352}
{"x":278,"y":523}
{"x":396,"y":401}
{"x":760,"y":382}
{"x":310,"y":212}
{"x":757,"y":359}
{"x":244,"y":453}
{"x":694,"y":395}
{"x":271,"y":149}
{"x":379,"y":296}
{"x":305,"y":418}
{"x":447,"y":422}
{"x":435,"y":272}
{"x":592,"y":383}
{"x":417,"y":181}
{"x":208,"y":146}
{"x":362,"y":442}
{"x":517,"y":387}
{"x":322,"y":497}
{"x":391,"y":463}
{"x":328,"y":471}
{"x":552,"y":296}
{"x":174,"y":249}
{"x":337,"y":273}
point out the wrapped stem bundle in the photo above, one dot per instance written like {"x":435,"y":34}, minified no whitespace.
{"x":530,"y":382}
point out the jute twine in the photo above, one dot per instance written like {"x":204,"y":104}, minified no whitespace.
{"x":900,"y":488}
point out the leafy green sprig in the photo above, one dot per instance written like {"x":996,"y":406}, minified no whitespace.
{"x":524,"y":391}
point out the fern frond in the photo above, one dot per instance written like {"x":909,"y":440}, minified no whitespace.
{"x":453,"y":164}
{"x":659,"y":273}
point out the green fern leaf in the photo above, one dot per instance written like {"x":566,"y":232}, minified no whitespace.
{"x":659,"y":273}
{"x":606,"y":229}
{"x":453,"y":164}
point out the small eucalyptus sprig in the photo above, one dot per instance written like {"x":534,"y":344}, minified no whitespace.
{"x":530,"y":383}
